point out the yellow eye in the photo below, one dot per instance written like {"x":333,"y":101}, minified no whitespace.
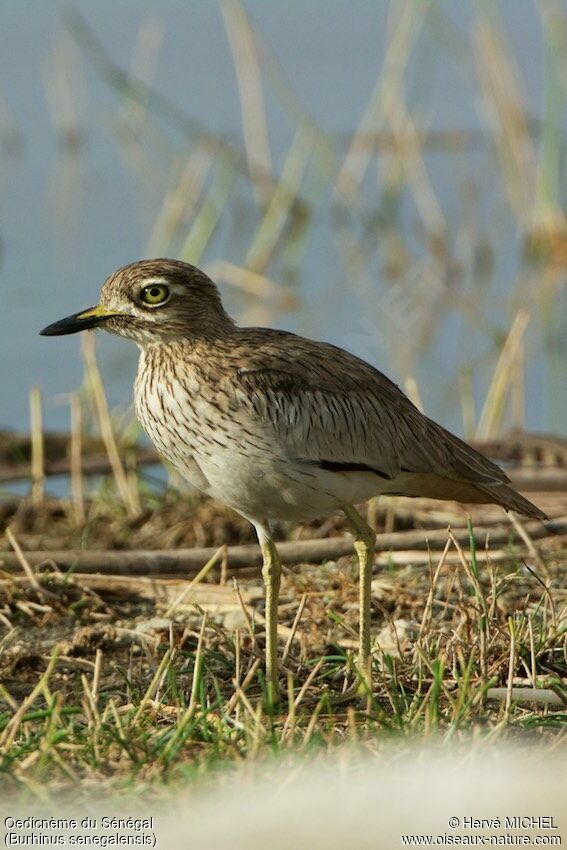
{"x":154,"y":293}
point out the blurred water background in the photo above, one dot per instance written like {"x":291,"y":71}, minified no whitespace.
{"x":390,"y":177}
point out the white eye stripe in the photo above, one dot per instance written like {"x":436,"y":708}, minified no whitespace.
{"x":155,"y":281}
{"x":177,"y":288}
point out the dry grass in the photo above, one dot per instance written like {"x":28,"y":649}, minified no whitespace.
{"x":127,"y":681}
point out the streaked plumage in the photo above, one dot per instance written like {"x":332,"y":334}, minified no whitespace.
{"x":275,"y":425}
{"x":280,"y":426}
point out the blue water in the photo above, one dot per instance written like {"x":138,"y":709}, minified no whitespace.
{"x":68,"y":219}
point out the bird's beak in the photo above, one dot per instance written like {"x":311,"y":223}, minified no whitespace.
{"x":79,"y":321}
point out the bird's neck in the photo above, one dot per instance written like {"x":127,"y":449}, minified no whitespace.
{"x":196,"y":351}
{"x":196,"y":336}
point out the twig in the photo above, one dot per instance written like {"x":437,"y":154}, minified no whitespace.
{"x":23,"y":561}
{"x":183,"y":561}
{"x":543,"y":696}
{"x":294,"y":626}
{"x":202,"y":574}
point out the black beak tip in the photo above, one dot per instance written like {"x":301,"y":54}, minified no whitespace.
{"x":73,"y":324}
{"x":49,"y":330}
{"x":63,"y":326}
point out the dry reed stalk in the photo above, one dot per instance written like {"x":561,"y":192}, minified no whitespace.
{"x":237,"y":661}
{"x":158,"y":104}
{"x":155,"y":683}
{"x":530,"y":546}
{"x":132,"y":477}
{"x":517,"y":388}
{"x":89,"y":706}
{"x":428,"y":608}
{"x":23,"y":562}
{"x":533,"y":662}
{"x":468,"y":405}
{"x":214,"y":204}
{"x":430,"y":664}
{"x":96,"y":675}
{"x":63,"y":84}
{"x":8,"y":698}
{"x":241,"y":689}
{"x":290,"y":719}
{"x":143,"y":67}
{"x":251,"y":282}
{"x":243,"y":699}
{"x":493,"y":410}
{"x":281,"y":202}
{"x":252,"y":106}
{"x":511,"y":666}
{"x":246,"y":614}
{"x":470,"y":569}
{"x":311,"y":725}
{"x":298,"y":114}
{"x":293,"y":630}
{"x":306,"y":685}
{"x":410,"y":159}
{"x":412,"y":391}
{"x":291,"y":714}
{"x":180,"y":201}
{"x":10,"y":628}
{"x":37,"y":447}
{"x":77,"y":494}
{"x":550,"y":217}
{"x":404,"y":24}
{"x":504,"y":104}
{"x":129,"y":497}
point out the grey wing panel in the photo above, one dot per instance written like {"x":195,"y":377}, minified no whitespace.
{"x":321,"y":426}
{"x":355,"y":425}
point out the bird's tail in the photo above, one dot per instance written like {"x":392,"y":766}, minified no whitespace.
{"x":503,"y":494}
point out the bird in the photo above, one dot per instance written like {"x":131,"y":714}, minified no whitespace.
{"x":278,"y":426}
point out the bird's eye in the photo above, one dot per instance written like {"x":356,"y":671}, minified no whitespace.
{"x":154,"y":293}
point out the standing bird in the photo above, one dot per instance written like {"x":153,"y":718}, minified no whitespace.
{"x":277,"y":426}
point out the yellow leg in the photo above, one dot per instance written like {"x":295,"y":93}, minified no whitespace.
{"x":271,"y":573}
{"x":364,"y":544}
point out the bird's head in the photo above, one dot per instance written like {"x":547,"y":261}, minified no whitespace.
{"x":152,"y":301}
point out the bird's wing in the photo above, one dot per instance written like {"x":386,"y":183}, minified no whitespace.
{"x":326,"y":406}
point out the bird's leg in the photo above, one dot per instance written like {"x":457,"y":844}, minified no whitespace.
{"x":364,"y":542}
{"x":271,"y":573}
